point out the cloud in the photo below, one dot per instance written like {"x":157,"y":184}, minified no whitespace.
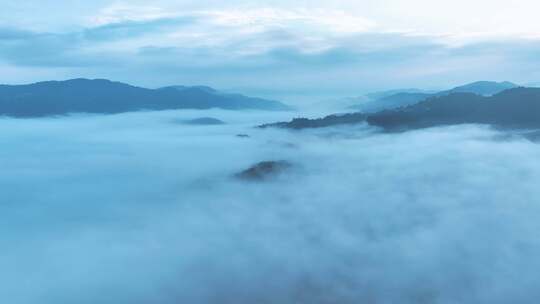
{"x":91,"y":46}
{"x":131,"y":29}
{"x":328,"y":20}
{"x":133,"y":208}
{"x":122,"y":12}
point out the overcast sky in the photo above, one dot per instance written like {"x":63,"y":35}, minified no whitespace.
{"x":272,"y":48}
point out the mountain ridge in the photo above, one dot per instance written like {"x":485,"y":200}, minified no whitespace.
{"x":513,"y":108}
{"x":103,"y":96}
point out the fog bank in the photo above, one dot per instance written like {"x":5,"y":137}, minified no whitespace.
{"x":136,"y":208}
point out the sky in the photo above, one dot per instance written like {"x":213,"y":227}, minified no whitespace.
{"x":281,"y":49}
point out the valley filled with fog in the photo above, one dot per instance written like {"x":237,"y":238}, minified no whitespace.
{"x":145,"y":208}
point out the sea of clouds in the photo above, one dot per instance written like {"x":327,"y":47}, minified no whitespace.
{"x":138,"y":208}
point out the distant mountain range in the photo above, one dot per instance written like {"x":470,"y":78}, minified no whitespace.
{"x":400,"y":98}
{"x":484,"y":88}
{"x":514,"y":108}
{"x":107,"y":97}
{"x":385,"y":94}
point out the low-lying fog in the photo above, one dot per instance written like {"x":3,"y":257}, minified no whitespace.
{"x":139,"y":208}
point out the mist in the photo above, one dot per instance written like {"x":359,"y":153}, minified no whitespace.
{"x":138,"y":208}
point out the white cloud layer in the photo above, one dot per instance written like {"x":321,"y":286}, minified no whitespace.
{"x":134,"y":208}
{"x":433,"y":17}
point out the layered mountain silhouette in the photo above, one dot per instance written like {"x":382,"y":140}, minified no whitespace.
{"x":403,"y":98}
{"x":108,"y":97}
{"x":514,"y":108}
{"x":393,"y":102}
{"x":385,"y":94}
{"x":484,"y":88}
